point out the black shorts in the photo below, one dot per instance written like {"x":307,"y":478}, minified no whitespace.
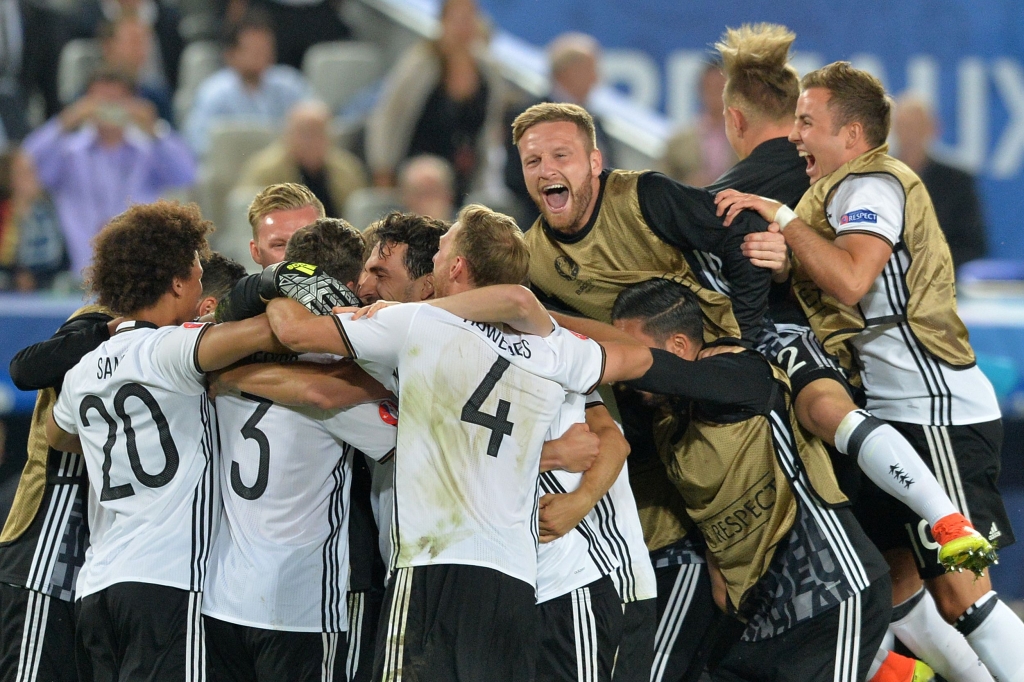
{"x":137,"y":632}
{"x":239,"y":653}
{"x":363,"y":614}
{"x":965,"y":460}
{"x":37,"y":636}
{"x":686,"y":611}
{"x":456,"y":622}
{"x":636,"y":651}
{"x":804,"y":359}
{"x":836,"y":646}
{"x":579,"y":634}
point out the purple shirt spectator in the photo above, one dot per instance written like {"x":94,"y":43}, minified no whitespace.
{"x":91,"y":182}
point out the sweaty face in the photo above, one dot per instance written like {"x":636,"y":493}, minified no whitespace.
{"x":815,"y":136}
{"x":385,"y":277}
{"x":560,"y":174}
{"x":276,"y":228}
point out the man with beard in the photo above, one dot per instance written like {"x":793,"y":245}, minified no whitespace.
{"x":760,"y":96}
{"x":600,"y":231}
{"x":874,"y":275}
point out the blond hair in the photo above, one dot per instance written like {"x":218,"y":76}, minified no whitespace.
{"x":755,"y":60}
{"x":284,"y":196}
{"x":553,"y":112}
{"x":492,"y":245}
{"x":854,"y":96}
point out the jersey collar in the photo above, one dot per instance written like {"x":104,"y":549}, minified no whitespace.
{"x":130,"y":325}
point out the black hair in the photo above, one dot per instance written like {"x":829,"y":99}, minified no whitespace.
{"x":666,"y":307}
{"x":420,"y":233}
{"x":331,"y":244}
{"x":220,"y":273}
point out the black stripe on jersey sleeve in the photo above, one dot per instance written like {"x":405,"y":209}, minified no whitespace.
{"x":195,"y":348}
{"x":877,"y":235}
{"x":604,"y":361}
{"x":344,"y":337}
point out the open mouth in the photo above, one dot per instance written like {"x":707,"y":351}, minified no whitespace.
{"x":555,"y":196}
{"x":810,"y":161}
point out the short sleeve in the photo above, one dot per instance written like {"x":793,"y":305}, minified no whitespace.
{"x":379,"y":338}
{"x":593,"y":399}
{"x":869,"y":204}
{"x":176,"y":357}
{"x":64,"y":412}
{"x":370,"y":427}
{"x":580,"y":360}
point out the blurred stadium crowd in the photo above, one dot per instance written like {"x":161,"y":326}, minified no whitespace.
{"x":104,"y":103}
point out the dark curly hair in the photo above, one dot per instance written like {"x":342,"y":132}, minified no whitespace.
{"x":420,"y":233}
{"x":331,"y":244}
{"x":137,"y":255}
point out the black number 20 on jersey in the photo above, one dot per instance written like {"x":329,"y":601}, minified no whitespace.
{"x":92,"y":403}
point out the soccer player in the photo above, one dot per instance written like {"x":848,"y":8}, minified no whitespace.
{"x":275,"y":214}
{"x":136,"y":407}
{"x":400,"y":266}
{"x":812,"y":589}
{"x":598,"y":232}
{"x":275,"y":604}
{"x":874,"y":276}
{"x":760,"y":97}
{"x":43,"y":545}
{"x":476,"y":403}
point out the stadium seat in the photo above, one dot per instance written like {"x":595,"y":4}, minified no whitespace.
{"x":78,"y":60}
{"x":231,"y":145}
{"x":369,"y":204}
{"x":234,"y":232}
{"x":198,"y":61}
{"x":339,"y":70}
{"x":988,"y":269}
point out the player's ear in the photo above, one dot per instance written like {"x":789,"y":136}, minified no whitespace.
{"x":427,"y":287}
{"x":681,"y":346}
{"x":854,"y":133}
{"x":596,"y":162}
{"x":737,"y":120}
{"x":206,"y":305}
{"x":254,"y":252}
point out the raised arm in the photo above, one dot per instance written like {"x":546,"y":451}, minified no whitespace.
{"x":304,"y":332}
{"x":509,"y":304}
{"x":327,"y":387}
{"x":225,"y":344}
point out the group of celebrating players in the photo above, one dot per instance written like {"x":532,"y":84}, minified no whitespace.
{"x":432,"y":487}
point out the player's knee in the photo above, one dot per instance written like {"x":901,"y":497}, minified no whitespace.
{"x":820,"y":407}
{"x":954,"y":593}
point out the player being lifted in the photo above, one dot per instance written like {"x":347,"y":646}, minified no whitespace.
{"x":137,"y":408}
{"x":760,"y":96}
{"x":476,"y":403}
{"x":873,"y":273}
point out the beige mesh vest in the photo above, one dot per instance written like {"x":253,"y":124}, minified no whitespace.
{"x":931,"y":308}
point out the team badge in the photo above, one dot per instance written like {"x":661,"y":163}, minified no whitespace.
{"x":194,"y":325}
{"x":567,"y":268}
{"x":861,"y":215}
{"x":579,"y":336}
{"x":388,"y":412}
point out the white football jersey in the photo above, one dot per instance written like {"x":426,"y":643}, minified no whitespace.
{"x":567,"y":563}
{"x":902,"y":381}
{"x":281,"y":560}
{"x":475,"y":406}
{"x":139,"y":405}
{"x":612,"y":528}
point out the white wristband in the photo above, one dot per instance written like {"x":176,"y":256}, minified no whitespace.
{"x":783,"y":216}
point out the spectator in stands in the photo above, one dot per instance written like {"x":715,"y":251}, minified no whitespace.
{"x":33,"y":36}
{"x":31,"y":243}
{"x":573,"y":59}
{"x":699,"y":154}
{"x":162,"y":20}
{"x":444,"y":97}
{"x":426,"y":184}
{"x":952,"y":190}
{"x":251,"y":88}
{"x":127,"y":46}
{"x":298,"y":24}
{"x":101,"y":153}
{"x":306,"y":155}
